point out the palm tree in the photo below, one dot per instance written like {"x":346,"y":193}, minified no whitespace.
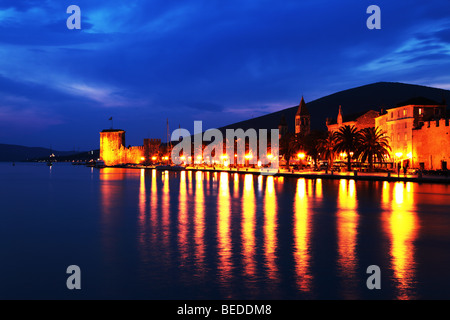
{"x":374,"y":145}
{"x":326,"y":148}
{"x":348,"y":139}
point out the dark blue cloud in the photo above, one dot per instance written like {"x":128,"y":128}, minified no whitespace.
{"x":218,"y":61}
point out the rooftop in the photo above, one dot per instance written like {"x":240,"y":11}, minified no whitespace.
{"x":349,"y":117}
{"x":302,"y":110}
{"x":113,"y":130}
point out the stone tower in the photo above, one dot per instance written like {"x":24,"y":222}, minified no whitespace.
{"x":302,"y":119}
{"x":339,"y":117}
{"x":111,"y":141}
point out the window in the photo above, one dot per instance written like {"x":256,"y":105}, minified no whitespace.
{"x":398,"y":136}
{"x":406,"y":125}
{"x":405,"y":112}
{"x":392,"y":115}
{"x":406,"y":136}
{"x":420,"y":111}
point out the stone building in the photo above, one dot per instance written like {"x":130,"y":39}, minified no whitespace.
{"x":113,"y":151}
{"x":418,"y":133}
{"x":431,"y":145}
{"x":360,"y":120}
{"x":302,"y":119}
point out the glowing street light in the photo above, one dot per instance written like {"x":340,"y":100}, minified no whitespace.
{"x":301,"y":155}
{"x":398,"y":154}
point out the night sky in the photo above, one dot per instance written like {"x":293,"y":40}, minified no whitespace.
{"x":143,"y":61}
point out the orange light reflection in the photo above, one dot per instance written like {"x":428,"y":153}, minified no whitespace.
{"x":302,"y":233}
{"x":347,"y":227}
{"x":270,"y":229}
{"x":199,"y":223}
{"x":402,"y":226}
{"x":183,"y":219}
{"x":225,"y":247}
{"x":248,"y":225}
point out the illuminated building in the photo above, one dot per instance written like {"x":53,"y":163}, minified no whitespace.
{"x":114,"y":152}
{"x":360,"y":120}
{"x":419,"y":133}
{"x":302,"y":119}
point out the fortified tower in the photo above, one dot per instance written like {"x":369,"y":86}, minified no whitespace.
{"x":111,"y":142}
{"x":302,"y":119}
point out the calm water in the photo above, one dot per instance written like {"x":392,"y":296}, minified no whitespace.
{"x":140,"y":234}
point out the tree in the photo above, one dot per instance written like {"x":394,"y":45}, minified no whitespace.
{"x":287,"y":146}
{"x":326,"y":148}
{"x":374,"y":145}
{"x":348,"y":139}
{"x":312,"y":146}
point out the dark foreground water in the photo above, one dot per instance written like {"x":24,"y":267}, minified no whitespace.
{"x":139,"y":234}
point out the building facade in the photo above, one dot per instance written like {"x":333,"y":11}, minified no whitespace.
{"x":418,"y":133}
{"x":360,"y":120}
{"x":113,"y":151}
{"x":431,"y":145}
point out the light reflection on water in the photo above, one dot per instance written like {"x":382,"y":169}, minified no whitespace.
{"x":248,"y":227}
{"x":401,"y":225}
{"x":247,"y":241}
{"x":248,"y":249}
{"x":347,"y":227}
{"x":224,"y":245}
{"x":201,"y":235}
{"x":302,"y":235}
{"x":270,"y":231}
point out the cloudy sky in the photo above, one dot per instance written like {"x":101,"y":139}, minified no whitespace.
{"x":219,"y":61}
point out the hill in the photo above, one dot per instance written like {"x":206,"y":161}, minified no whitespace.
{"x":10,"y":152}
{"x":369,"y":97}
